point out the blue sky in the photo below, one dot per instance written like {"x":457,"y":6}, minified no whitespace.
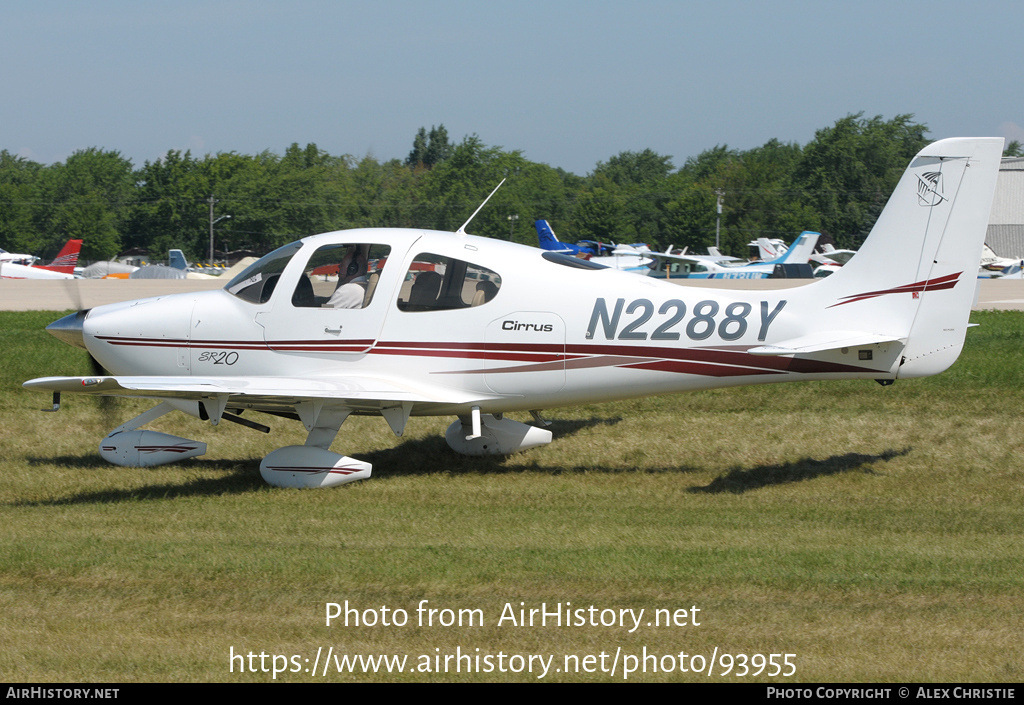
{"x":569,"y":83}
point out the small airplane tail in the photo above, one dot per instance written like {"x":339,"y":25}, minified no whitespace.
{"x":176,"y":260}
{"x":765,"y":250}
{"x":67,"y":259}
{"x":798,"y":252}
{"x":915,"y":277}
{"x":546,"y":236}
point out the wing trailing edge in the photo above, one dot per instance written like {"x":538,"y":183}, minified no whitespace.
{"x":361,"y":390}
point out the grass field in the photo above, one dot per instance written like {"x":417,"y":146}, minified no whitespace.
{"x":874,"y":533}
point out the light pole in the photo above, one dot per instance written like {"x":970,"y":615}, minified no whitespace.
{"x":213,"y":222}
{"x":512,"y":224}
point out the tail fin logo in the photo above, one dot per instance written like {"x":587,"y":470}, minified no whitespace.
{"x":929,"y":189}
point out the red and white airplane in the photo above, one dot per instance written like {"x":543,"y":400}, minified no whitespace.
{"x":62,"y":267}
{"x":446,"y":323}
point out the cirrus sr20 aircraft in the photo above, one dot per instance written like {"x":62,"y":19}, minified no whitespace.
{"x":451,"y":324}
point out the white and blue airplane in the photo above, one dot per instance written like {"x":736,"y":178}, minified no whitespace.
{"x":450,"y":324}
{"x":669,"y":266}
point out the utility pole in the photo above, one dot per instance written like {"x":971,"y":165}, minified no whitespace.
{"x":718,"y":218}
{"x":211,"y":201}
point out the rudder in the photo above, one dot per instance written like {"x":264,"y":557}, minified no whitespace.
{"x":916,"y":274}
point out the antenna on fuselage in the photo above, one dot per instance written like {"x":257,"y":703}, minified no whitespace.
{"x":462,"y":230}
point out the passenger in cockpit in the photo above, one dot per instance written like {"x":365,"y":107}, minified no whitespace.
{"x":352,"y":279}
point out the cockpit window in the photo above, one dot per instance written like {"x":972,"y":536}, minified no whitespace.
{"x":677,"y":268}
{"x":438,"y":283}
{"x":341,"y":275}
{"x":257,"y":281}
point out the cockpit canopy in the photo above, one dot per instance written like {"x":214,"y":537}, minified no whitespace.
{"x":347,"y":274}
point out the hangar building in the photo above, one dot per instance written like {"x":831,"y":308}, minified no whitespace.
{"x":1006,"y":223}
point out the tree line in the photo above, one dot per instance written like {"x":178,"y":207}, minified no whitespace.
{"x":836,"y":184}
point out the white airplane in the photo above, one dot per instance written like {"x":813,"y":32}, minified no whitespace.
{"x":825,"y":263}
{"x":994,"y":263}
{"x":669,"y":266}
{"x":717,"y":254}
{"x":767,"y":248}
{"x":62,"y":267}
{"x":16,"y":258}
{"x":452,"y":324}
{"x":830,"y":260}
{"x":713,"y":255}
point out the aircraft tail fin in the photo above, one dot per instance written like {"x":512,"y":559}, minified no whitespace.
{"x":765,"y":250}
{"x":176,"y":259}
{"x":915,"y":277}
{"x":67,"y":259}
{"x":546,"y":236}
{"x":800,"y":251}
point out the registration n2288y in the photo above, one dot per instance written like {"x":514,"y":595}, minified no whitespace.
{"x":640,"y":319}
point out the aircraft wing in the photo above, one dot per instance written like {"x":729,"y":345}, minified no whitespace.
{"x":675,"y":258}
{"x":357,"y":392}
{"x":822,"y":342}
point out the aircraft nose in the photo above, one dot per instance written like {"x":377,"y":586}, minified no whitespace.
{"x":69,"y":329}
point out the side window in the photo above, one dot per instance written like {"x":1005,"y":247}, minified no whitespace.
{"x":438,"y":283}
{"x":340,"y":275}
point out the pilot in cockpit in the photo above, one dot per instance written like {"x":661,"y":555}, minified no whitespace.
{"x":352,"y":279}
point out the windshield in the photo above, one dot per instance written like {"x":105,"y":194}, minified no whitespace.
{"x":257,"y":281}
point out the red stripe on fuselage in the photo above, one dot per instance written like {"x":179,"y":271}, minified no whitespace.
{"x":709,"y":361}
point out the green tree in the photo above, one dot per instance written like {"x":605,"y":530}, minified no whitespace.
{"x":624,"y":199}
{"x":628,"y":169}
{"x":453,"y":189}
{"x":89,"y":197}
{"x":429,"y":150}
{"x":170,"y":210}
{"x":849,"y":170}
{"x":19,"y":209}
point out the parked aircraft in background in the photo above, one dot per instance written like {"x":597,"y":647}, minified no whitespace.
{"x":108,"y":270}
{"x":716,"y":253}
{"x":830,"y":260}
{"x":764,"y":248}
{"x":62,"y":267}
{"x":176,"y":260}
{"x":824,"y":262}
{"x":451,"y":324}
{"x":16,"y":258}
{"x":669,"y":266}
{"x":630,"y":258}
{"x":713,"y":255}
{"x":992,"y":262}
{"x":177,"y":267}
{"x":549,"y":241}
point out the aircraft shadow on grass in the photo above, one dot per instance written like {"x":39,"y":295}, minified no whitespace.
{"x":242,"y":476}
{"x":431,"y":455}
{"x":740,"y":480}
{"x":425,"y":456}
